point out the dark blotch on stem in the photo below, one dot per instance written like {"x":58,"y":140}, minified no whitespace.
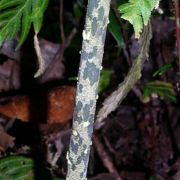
{"x":91,"y":72}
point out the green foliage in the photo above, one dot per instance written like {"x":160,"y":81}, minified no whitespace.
{"x":18,"y":168}
{"x":77,"y":9}
{"x":138,"y":12}
{"x":163,"y":70}
{"x":16,"y":16}
{"x":105,"y":80}
{"x":114,"y":29}
{"x":159,"y":88}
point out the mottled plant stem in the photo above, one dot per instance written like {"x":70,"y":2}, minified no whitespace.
{"x":89,"y":72}
{"x":134,"y":74}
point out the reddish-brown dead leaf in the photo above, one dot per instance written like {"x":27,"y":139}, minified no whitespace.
{"x":6,"y":140}
{"x":54,"y":107}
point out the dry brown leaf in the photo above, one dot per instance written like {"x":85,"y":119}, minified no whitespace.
{"x":53,"y":62}
{"x":55,"y":106}
{"x":9,"y":75}
{"x":5,"y":140}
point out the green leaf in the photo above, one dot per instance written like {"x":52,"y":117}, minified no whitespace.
{"x":77,"y":9}
{"x":18,"y":168}
{"x":162,"y":70}
{"x":105,"y":80}
{"x":16,"y":16}
{"x":114,"y":29}
{"x":39,"y":6}
{"x":138,"y":12}
{"x":163,"y":89}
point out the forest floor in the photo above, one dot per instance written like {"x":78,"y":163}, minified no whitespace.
{"x":140,"y":140}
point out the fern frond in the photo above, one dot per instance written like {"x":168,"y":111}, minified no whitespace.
{"x":163,"y":89}
{"x":39,"y":6}
{"x":138,"y":12}
{"x":16,"y":16}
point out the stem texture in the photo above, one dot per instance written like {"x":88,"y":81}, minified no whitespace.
{"x":87,"y":89}
{"x":134,"y":74}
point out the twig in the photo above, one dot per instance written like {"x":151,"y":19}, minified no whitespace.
{"x":176,"y":4}
{"x":70,"y":37}
{"x":112,"y":102}
{"x":59,"y":54}
{"x":61,"y":22}
{"x":107,"y":161}
{"x":126,"y":50}
{"x":65,"y":43}
{"x":41,"y":65}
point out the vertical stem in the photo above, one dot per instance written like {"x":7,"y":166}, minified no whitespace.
{"x":61,"y":22}
{"x":176,"y":4}
{"x":89,"y":72}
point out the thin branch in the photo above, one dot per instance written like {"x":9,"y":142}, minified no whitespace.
{"x":176,"y":4}
{"x":70,"y":37}
{"x":134,"y":74}
{"x":106,"y":159}
{"x":61,"y":22}
{"x":41,"y":65}
{"x":126,"y":49}
{"x":59,"y":55}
